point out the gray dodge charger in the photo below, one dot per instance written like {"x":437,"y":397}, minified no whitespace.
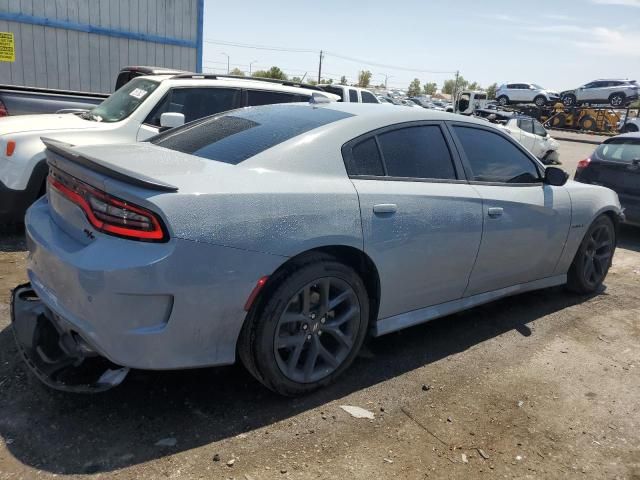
{"x":282,"y":235}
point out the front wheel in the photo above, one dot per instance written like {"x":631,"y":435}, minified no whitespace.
{"x":569,"y":100}
{"x":617,"y":99}
{"x":540,"y":101}
{"x":309,"y":330}
{"x":593,"y":259}
{"x":503,"y":100}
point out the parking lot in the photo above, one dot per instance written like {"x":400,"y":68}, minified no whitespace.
{"x":541,"y":385}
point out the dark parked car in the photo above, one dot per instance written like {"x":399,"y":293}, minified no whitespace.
{"x":616,"y":164}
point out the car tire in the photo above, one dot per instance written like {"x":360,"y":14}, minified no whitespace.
{"x":503,"y":100}
{"x":540,"y":101}
{"x":277,"y":339}
{"x":617,"y":99}
{"x":569,"y":100}
{"x":589,"y":268}
{"x":588,"y":123}
{"x":629,"y":128}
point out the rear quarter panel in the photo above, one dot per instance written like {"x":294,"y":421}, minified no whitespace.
{"x":588,"y":202}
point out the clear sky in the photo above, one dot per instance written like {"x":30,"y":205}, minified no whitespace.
{"x":560,"y":44}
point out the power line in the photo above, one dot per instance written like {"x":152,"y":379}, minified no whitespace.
{"x":261,"y":47}
{"x":343,"y":57}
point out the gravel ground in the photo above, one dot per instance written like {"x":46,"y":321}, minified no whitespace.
{"x":542,"y":385}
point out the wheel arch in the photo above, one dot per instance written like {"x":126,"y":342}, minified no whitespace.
{"x":351,"y":256}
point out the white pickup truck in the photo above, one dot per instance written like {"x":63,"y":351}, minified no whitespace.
{"x":135,"y":112}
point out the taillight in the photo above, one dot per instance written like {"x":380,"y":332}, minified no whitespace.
{"x":3,"y":110}
{"x":109,"y":214}
{"x":584,"y":163}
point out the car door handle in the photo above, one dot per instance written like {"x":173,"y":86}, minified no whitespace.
{"x":495,"y":212}
{"x":385,"y":208}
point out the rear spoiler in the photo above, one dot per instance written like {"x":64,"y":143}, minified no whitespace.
{"x":66,"y":151}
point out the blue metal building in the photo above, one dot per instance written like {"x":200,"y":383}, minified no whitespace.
{"x":82,"y":44}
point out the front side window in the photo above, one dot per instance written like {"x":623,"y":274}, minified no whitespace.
{"x":368,"y":97}
{"x":526,"y":124}
{"x":493,"y":158}
{"x":417,"y":152}
{"x":538,"y":129}
{"x":353,"y":96}
{"x":195,"y":103}
{"x":122,"y":103}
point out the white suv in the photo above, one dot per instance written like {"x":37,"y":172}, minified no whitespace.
{"x":525,"y":93}
{"x":616,"y":92}
{"x":350,"y":94}
{"x":137,"y":111}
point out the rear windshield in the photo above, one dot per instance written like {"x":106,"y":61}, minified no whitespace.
{"x":620,"y":150}
{"x":240,"y":134}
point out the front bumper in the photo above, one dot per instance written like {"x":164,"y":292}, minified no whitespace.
{"x":58,"y":356}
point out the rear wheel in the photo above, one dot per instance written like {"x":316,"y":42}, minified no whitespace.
{"x":540,"y":101}
{"x":617,"y":99}
{"x":503,"y":100}
{"x":593,"y":259}
{"x":559,"y":120}
{"x":310,"y":328}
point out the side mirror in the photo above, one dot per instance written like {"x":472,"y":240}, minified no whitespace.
{"x":555,"y":176}
{"x":171,"y":120}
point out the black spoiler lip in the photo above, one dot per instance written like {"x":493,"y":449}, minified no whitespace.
{"x":66,"y":151}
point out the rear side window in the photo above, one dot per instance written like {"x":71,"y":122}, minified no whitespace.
{"x":238,"y":135}
{"x":353,"y":96}
{"x":368,"y":97}
{"x":493,"y":158}
{"x":365,"y":159}
{"x":417,"y":152}
{"x":265,"y":97}
{"x":195,"y":103}
{"x":335,"y":90}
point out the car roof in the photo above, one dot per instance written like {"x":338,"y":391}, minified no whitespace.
{"x":249,"y":82}
{"x":624,"y":135}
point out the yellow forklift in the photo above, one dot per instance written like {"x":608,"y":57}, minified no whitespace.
{"x":590,"y":119}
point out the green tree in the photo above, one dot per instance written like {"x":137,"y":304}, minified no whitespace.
{"x":474,"y":86}
{"x":343,"y":80}
{"x":237,"y":71}
{"x":449,"y":85}
{"x":311,"y":81}
{"x":364,"y":78}
{"x":382,"y":85}
{"x":327,"y":81}
{"x":414,"y":88}
{"x":491,"y":91}
{"x":296,"y":79}
{"x":273,"y":72}
{"x":430,"y":88}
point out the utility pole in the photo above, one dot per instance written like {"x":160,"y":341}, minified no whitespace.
{"x":455,"y":88}
{"x":251,"y":63}
{"x":228,"y":70}
{"x":320,"y":66}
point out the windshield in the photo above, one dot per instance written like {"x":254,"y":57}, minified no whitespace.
{"x":537,"y":86}
{"x":619,"y":150}
{"x":123,"y":102}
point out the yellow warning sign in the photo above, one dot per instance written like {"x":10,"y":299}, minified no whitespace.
{"x":7,"y":47}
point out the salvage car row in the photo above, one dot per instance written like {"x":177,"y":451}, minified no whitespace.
{"x":278,"y":227}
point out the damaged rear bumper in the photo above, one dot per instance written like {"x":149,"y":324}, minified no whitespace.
{"x":59,"y":357}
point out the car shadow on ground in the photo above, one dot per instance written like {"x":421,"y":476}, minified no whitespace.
{"x":72,"y":434}
{"x":12,"y":242}
{"x":629,"y":238}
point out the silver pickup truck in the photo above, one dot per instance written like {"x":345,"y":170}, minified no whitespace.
{"x":17,"y":100}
